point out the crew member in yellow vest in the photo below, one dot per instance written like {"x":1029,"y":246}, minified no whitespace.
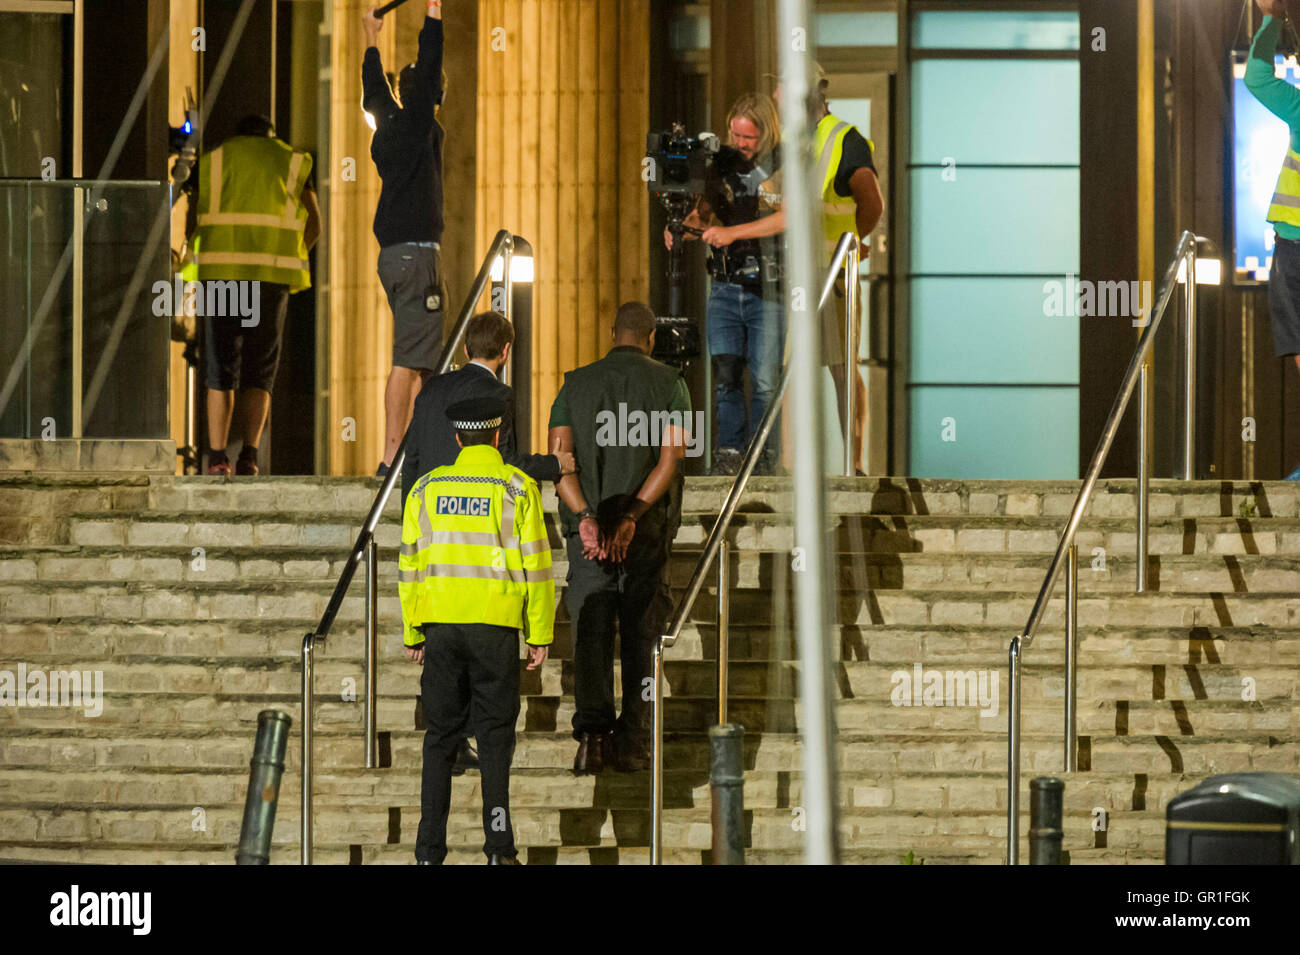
{"x":473,"y":570}
{"x":1281,"y":99}
{"x":851,"y":202}
{"x":256,"y":221}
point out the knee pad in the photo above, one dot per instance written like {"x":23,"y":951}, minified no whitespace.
{"x":729,"y":372}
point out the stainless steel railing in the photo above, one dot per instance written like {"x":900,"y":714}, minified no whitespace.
{"x":715,"y":546}
{"x":502,"y":246}
{"x":1137,"y":375}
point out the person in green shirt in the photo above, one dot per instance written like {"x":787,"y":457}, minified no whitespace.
{"x":1282,"y":100}
{"x":627,"y":420}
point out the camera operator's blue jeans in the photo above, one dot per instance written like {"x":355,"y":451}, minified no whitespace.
{"x":744,"y":330}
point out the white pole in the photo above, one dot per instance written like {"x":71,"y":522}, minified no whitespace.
{"x":803,"y":242}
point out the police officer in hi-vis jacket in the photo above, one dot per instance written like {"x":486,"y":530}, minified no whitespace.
{"x":474,"y":569}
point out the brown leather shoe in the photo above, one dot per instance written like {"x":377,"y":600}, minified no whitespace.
{"x":590,"y":759}
{"x":631,"y":753}
{"x":497,"y":859}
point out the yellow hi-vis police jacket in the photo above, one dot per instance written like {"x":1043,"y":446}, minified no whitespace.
{"x":475,"y":550}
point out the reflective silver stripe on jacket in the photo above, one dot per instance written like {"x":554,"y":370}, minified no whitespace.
{"x":516,"y":575}
{"x":534,"y":547}
{"x":828,"y":149}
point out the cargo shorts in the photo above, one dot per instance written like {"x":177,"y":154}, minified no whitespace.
{"x":411,"y":274}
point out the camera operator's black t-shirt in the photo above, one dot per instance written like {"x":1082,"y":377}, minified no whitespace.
{"x":734,"y":190}
{"x":739,"y":190}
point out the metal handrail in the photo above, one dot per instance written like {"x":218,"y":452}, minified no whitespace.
{"x":365,"y":546}
{"x":1137,"y":369}
{"x":846,"y":258}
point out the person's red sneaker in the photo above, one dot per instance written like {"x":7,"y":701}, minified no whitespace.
{"x":220,"y":469}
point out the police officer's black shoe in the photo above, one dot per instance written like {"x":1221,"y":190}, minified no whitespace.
{"x":497,"y":859}
{"x":466,"y":758}
{"x":590,"y":759}
{"x":631,"y":752}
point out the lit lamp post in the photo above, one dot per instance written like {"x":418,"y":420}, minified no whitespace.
{"x":512,"y":296}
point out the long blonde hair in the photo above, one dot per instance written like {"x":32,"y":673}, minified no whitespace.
{"x":759,"y":109}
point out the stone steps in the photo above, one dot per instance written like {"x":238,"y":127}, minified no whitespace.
{"x":319,"y":495}
{"x":1207,"y":720}
{"x":204,"y":641}
{"x":860,"y":682}
{"x":541,"y":788}
{"x":288,"y":604}
{"x":99,"y":574}
{"x":768,"y":530}
{"x":1188,"y":573}
{"x":777,"y":828}
{"x":939,"y":750}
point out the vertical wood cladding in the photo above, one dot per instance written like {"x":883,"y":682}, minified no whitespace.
{"x":563,"y":108}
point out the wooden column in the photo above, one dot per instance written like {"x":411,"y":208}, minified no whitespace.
{"x":563,"y":109}
{"x":732,"y":69}
{"x":361,"y":327}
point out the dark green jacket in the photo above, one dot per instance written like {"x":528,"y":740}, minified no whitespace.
{"x":617,"y":408}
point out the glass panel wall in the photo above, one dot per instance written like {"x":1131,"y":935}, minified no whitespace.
{"x":110,"y":357}
{"x":993,"y":177}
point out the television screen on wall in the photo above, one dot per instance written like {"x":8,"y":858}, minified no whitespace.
{"x":1259,"y":143}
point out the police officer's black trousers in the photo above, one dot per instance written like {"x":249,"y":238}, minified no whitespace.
{"x":470,"y":679}
{"x":632,"y":598}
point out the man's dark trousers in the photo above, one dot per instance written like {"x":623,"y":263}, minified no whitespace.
{"x":471,"y":678}
{"x":634,"y":598}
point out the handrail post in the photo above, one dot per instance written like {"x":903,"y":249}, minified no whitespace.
{"x":712,"y":548}
{"x":851,"y":306}
{"x":372,"y":679}
{"x":657,"y":758}
{"x":1013,"y":757}
{"x":1189,"y":370}
{"x":1144,"y":470}
{"x":507,"y":252}
{"x":724,"y":626}
{"x":1046,"y":820}
{"x":308,"y":643}
{"x":1071,"y":658}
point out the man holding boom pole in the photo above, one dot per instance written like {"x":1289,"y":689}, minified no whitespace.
{"x":407,"y":150}
{"x":1282,"y":100}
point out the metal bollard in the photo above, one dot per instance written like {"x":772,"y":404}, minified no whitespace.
{"x":265,"y":770}
{"x":1046,"y":795}
{"x":727,"y":790}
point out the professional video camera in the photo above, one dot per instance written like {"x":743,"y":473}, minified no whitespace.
{"x":182,"y":141}
{"x":678,"y":166}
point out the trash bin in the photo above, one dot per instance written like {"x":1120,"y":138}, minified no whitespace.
{"x":1235,"y":819}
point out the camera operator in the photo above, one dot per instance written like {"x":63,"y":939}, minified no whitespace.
{"x":744,"y":315}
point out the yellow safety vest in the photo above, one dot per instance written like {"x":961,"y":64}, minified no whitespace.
{"x":1285,"y":206}
{"x":251,"y":219}
{"x":839,"y":214}
{"x":475,"y":550}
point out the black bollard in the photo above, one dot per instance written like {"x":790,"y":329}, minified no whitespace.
{"x":727,"y":788}
{"x":1046,"y":795}
{"x":265,"y":770}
